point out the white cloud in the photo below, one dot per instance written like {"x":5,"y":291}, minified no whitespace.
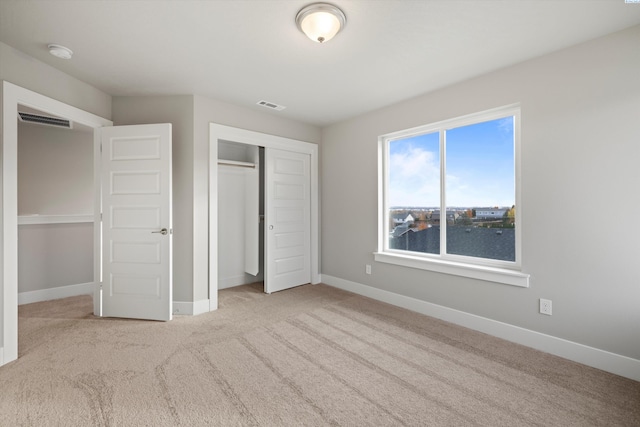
{"x":414,"y":177}
{"x":414,"y":180}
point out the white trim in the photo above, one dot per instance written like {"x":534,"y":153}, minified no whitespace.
{"x":590,"y":356}
{"x":56,"y":293}
{"x":227,"y":133}
{"x":191,"y":308}
{"x":232,"y":282}
{"x":12,"y":96}
{"x":54,"y":219}
{"x":201,"y":307}
{"x":97,"y":224}
{"x":480,"y":272}
{"x":183,"y":307}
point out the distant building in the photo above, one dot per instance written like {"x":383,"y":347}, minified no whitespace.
{"x":491,"y":213}
{"x":400,"y":230}
{"x":402,"y":218}
{"x":451,"y":216}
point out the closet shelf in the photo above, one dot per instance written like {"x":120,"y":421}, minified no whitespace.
{"x":54,"y":219}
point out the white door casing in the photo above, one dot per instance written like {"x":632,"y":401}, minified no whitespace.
{"x":12,"y":97}
{"x":136,"y":221}
{"x":288,"y":209}
{"x":221,"y":133}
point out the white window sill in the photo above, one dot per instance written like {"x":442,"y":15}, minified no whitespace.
{"x":480,"y":272}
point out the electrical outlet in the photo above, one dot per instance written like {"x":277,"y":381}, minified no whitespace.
{"x":545,"y":306}
{"x":367,"y":269}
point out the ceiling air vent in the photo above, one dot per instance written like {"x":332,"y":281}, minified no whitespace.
{"x":44,"y":120}
{"x":271,"y":105}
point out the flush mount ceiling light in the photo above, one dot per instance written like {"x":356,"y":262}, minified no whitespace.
{"x":320,"y":21}
{"x":60,"y":51}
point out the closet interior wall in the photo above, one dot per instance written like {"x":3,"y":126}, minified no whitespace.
{"x":55,"y":212}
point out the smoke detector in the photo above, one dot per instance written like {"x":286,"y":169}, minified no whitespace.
{"x":60,"y":51}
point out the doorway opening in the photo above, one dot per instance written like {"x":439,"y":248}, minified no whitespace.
{"x":13,"y":98}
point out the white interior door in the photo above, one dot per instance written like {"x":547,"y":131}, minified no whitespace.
{"x":288,"y":219}
{"x":136,"y":221}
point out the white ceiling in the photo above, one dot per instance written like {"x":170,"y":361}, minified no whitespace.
{"x":244,"y":51}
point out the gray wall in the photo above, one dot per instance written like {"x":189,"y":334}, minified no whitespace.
{"x":55,"y":171}
{"x":580,"y":151}
{"x":27,"y":72}
{"x":54,"y":255}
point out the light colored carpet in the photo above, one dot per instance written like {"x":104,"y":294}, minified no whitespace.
{"x":312,"y":355}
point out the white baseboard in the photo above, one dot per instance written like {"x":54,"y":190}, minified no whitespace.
{"x":590,"y":356}
{"x":191,"y":308}
{"x":55,"y":293}
{"x":232,"y":282}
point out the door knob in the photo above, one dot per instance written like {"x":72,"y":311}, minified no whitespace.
{"x":164,"y":231}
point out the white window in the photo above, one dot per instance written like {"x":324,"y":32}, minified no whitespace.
{"x":459,"y":181}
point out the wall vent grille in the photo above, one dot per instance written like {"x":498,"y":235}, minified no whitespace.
{"x":271,"y":105}
{"x":44,"y":120}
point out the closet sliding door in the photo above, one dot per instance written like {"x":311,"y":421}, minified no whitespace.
{"x":288,"y":215}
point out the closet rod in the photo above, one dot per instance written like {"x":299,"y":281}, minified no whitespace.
{"x":237,"y":164}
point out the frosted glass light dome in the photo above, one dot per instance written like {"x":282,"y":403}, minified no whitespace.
{"x":320,"y":21}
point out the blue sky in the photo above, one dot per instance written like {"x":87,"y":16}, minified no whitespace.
{"x":480,"y":167}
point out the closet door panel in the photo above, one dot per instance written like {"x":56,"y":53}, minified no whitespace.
{"x":288,"y":207}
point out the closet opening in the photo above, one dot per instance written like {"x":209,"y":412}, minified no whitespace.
{"x":240,"y":215}
{"x":55,"y":207}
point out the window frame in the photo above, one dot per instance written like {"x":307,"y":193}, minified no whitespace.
{"x":499,"y":271}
